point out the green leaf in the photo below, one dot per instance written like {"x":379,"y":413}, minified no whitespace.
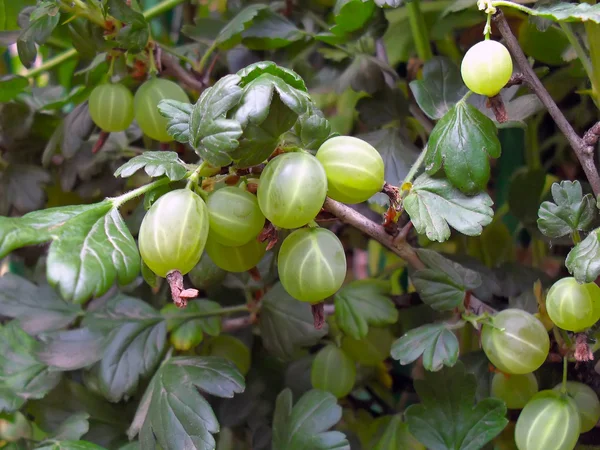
{"x":286,"y":323}
{"x":583,"y":261}
{"x":92,"y":250}
{"x":388,"y":4}
{"x":70,"y":445}
{"x":366,"y":73}
{"x":136,"y":335}
{"x":253,"y":71}
{"x":174,"y":414}
{"x":42,"y":22}
{"x":135,"y":34}
{"x":179,"y":114}
{"x":435,"y":342}
{"x":11,"y":86}
{"x":22,"y":375}
{"x":79,"y":126}
{"x":444,"y":283}
{"x":518,"y":109}
{"x":570,"y":12}
{"x":155,"y":164}
{"x":270,"y":30}
{"x":363,"y":303}
{"x":230,"y":35}
{"x":461,"y":142}
{"x":448,"y":418}
{"x":434,"y":205}
{"x":305,"y":425}
{"x":73,"y":428}
{"x":212,"y":135}
{"x":23,"y":186}
{"x":313,"y":129}
{"x":186,"y":323}
{"x":397,"y":436}
{"x":440,"y":88}
{"x":384,"y":107}
{"x":38,"y":308}
{"x":525,"y":194}
{"x":570,"y":212}
{"x":351,"y":15}
{"x":72,"y":349}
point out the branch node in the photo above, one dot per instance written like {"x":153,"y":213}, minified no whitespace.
{"x":318,"y":312}
{"x":178,"y":293}
{"x":497,"y":106}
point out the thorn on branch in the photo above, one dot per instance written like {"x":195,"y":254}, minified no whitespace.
{"x":497,"y":105}
{"x":515,"y":79}
{"x":178,"y":293}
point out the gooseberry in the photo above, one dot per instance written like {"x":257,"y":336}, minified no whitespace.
{"x":111,"y":107}
{"x":514,"y":390}
{"x":486,"y":68}
{"x":587,"y":403}
{"x":236,"y":259}
{"x":573,"y":306}
{"x":333,"y":371}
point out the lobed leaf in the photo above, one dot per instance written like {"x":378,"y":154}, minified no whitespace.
{"x":42,"y":22}
{"x":397,"y":436}
{"x":570,"y":12}
{"x":230,"y":35}
{"x":434,"y":205}
{"x":11,"y":86}
{"x":435,"y":342}
{"x":135,"y":34}
{"x":583,"y":261}
{"x":155,"y":164}
{"x":179,"y":114}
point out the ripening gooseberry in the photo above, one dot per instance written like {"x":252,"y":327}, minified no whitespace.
{"x":236,"y":259}
{"x":312,"y":264}
{"x":333,"y":371}
{"x":587,"y":403}
{"x":354,"y":169}
{"x":145,"y":106}
{"x":514,"y":390}
{"x":111,"y":107}
{"x":549,"y":421}
{"x":292,"y":189}
{"x":235,"y":217}
{"x":573,"y":306}
{"x":174,"y":232}
{"x":486,"y":68}
{"x":516,"y":343}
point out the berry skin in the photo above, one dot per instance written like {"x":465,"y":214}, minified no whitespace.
{"x":486,"y":68}
{"x":174,"y":232}
{"x":514,"y":390}
{"x":111,"y":107}
{"x":355,"y":170}
{"x":236,"y":259}
{"x":573,"y":306}
{"x":333,"y":371}
{"x":587,"y":403}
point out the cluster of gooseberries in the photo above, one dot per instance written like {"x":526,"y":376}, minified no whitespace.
{"x":292,"y":188}
{"x":113,"y":108}
{"x":517,"y":343}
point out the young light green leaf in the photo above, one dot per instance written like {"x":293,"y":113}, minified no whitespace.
{"x":461,"y":142}
{"x":435,"y":342}
{"x":397,"y":436}
{"x":155,"y":164}
{"x":444,"y":283}
{"x":22,"y":375}
{"x":440,"y":88}
{"x":571,"y":210}
{"x":313,"y":129}
{"x":11,"y":86}
{"x":570,"y":12}
{"x":130,"y":325}
{"x":583,"y":261}
{"x":38,"y":308}
{"x":305,"y":424}
{"x":179,"y":114}
{"x":212,"y":135}
{"x":434,"y":205}
{"x":230,"y":35}
{"x":91,"y":251}
{"x":286,"y":324}
{"x":363,"y":303}
{"x":448,"y":418}
{"x":174,"y":414}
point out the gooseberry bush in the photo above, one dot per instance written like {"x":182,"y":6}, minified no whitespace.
{"x":299,"y":225}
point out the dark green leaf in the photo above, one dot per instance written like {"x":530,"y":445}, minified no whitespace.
{"x":351,"y":15}
{"x":270,"y":30}
{"x":174,"y":414}
{"x":42,"y":22}
{"x":72,"y":428}
{"x":38,"y":309}
{"x":571,"y":210}
{"x":253,"y":71}
{"x":398,"y":154}
{"x":23,"y":186}
{"x":212,"y":135}
{"x":435,"y":342}
{"x":570,"y":12}
{"x":461,"y":142}
{"x":135,"y":34}
{"x":155,"y":164}
{"x":52,"y":97}
{"x":313,"y":129}
{"x":366,"y":73}
{"x":517,"y":108}
{"x":440,"y":88}
{"x":363,"y":303}
{"x":78,"y":128}
{"x":385,"y":106}
{"x":179,"y":114}
{"x":230,"y":35}
{"x":444,"y":283}
{"x":525,"y":194}
{"x":583,"y":261}
{"x":70,"y":445}
{"x":187,"y":319}
{"x":22,"y":376}
{"x":434,"y":205}
{"x":72,"y":349}
{"x":285,"y":323}
{"x":447,"y":418}
{"x":136,"y":339}
{"x":397,"y":436}
{"x":11,"y":86}
{"x":305,"y":425}
{"x":92,"y":250}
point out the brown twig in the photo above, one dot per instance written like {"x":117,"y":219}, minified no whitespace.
{"x":583,"y":151}
{"x":102,"y":138}
{"x":172,"y":67}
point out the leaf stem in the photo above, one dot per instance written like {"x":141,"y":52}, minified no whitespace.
{"x":576,"y":237}
{"x":80,"y":9}
{"x":209,"y":51}
{"x":419,"y":30}
{"x":415,"y":168}
{"x":514,"y":5}
{"x":51,"y":63}
{"x":174,"y":53}
{"x":563,"y":388}
{"x":204,"y":314}
{"x":579,"y":50}
{"x":118,"y":201}
{"x":161,"y":8}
